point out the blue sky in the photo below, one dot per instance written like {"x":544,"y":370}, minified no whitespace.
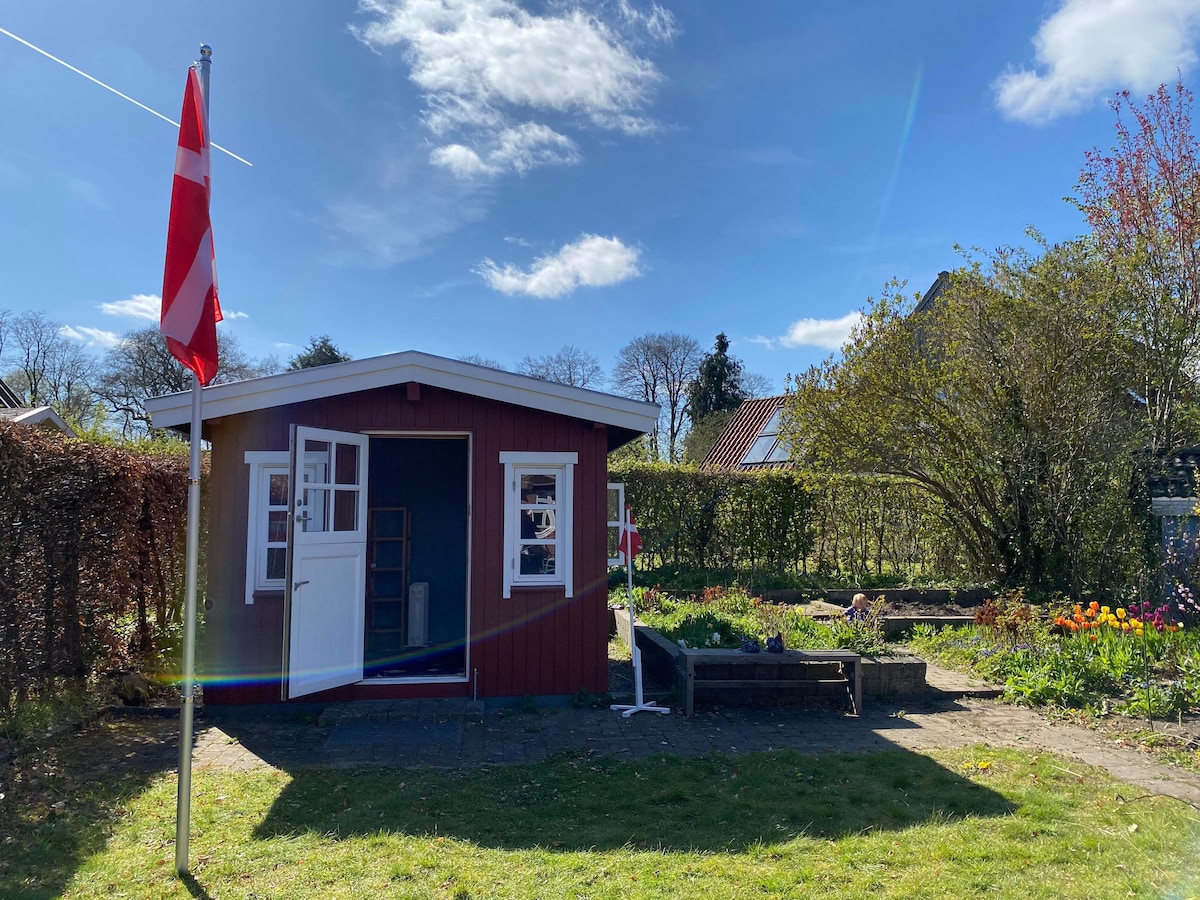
{"x":503,"y":178}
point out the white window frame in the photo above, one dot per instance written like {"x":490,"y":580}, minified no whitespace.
{"x":617,"y":487}
{"x":562,"y":466}
{"x":263,"y":464}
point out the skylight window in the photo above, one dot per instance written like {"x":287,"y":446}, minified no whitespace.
{"x":768,"y":447}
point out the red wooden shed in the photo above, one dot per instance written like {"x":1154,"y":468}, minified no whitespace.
{"x":406,"y":526}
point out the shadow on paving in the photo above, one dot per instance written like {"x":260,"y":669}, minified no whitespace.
{"x":59,"y":802}
{"x":574,"y":803}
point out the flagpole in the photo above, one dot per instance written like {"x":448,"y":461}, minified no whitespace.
{"x":638,"y":705}
{"x":183,"y":799}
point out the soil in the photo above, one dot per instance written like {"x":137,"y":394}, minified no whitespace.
{"x":916,"y":608}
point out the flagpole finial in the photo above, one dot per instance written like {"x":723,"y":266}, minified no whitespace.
{"x":205,"y":51}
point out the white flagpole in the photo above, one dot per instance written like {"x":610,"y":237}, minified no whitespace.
{"x":183,"y":798}
{"x":638,"y":704}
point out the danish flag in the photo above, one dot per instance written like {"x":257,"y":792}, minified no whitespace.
{"x":631,"y":541}
{"x":190,"y":309}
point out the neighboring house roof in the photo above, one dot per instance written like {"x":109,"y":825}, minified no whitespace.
{"x":40,"y":415}
{"x":935,"y":290}
{"x":12,"y":410}
{"x":8,"y":397}
{"x":751,"y":439}
{"x":629,"y":417}
{"x":1176,"y":476}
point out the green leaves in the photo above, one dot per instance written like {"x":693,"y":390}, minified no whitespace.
{"x":1005,"y":398}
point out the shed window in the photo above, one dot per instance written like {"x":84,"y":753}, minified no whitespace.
{"x":538,"y":519}
{"x":266,"y":525}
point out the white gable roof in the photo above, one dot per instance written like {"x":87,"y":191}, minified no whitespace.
{"x":398,"y":368}
{"x":39,"y":415}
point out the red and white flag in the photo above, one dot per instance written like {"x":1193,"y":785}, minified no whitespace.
{"x":190,"y":310}
{"x":631,"y":541}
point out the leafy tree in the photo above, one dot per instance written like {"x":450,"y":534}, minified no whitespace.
{"x":140,"y":367}
{"x":1005,"y":402}
{"x":320,"y":351}
{"x":658,"y":368}
{"x":1142,"y":200}
{"x":704,"y":434}
{"x":570,"y":365}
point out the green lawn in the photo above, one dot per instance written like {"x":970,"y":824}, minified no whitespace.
{"x":896,"y":824}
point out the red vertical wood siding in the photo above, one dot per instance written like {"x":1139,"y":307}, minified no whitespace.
{"x":539,"y":642}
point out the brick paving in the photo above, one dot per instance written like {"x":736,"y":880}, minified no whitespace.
{"x":460,"y":734}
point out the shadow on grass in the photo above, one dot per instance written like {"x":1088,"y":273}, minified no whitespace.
{"x":712,"y":803}
{"x":59,"y":802}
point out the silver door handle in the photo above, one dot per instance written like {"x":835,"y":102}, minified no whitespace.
{"x":296,"y":585}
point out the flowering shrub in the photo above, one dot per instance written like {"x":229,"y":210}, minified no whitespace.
{"x":1137,"y":659}
{"x":1098,"y":619}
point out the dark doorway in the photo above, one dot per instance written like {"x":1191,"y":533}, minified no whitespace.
{"x":418,"y":500}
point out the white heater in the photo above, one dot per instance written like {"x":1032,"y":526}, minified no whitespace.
{"x":418,"y":614}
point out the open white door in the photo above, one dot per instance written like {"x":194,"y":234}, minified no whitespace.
{"x":326,"y":560}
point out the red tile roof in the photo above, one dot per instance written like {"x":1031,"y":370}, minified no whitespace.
{"x":741,"y":433}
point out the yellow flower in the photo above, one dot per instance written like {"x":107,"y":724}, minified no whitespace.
{"x":1106,"y":610}
{"x":1120,"y":612}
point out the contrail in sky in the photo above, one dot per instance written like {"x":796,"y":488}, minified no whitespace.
{"x":67,"y":65}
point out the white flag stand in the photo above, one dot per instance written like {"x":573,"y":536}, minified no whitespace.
{"x":639,"y":704}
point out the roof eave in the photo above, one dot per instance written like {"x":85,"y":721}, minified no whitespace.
{"x":174,"y":410}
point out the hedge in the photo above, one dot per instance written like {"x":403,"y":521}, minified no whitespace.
{"x":91,"y":557}
{"x":786,"y":521}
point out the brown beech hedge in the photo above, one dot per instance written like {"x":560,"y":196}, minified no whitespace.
{"x":91,"y":558}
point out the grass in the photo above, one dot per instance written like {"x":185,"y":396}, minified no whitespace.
{"x":62,"y":700}
{"x":895,"y":824}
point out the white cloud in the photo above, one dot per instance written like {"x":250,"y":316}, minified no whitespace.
{"x":517,"y":149}
{"x":230,"y":315}
{"x":657,"y":22}
{"x":139,"y":306}
{"x":829,"y":334}
{"x":530,"y":144}
{"x":592,"y":261}
{"x":91,"y":337}
{"x":486,"y":65}
{"x":1090,"y":47}
{"x":462,"y":162}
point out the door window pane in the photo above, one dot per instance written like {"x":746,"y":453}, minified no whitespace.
{"x":312,"y":511}
{"x":276,"y":561}
{"x":345,"y":510}
{"x":346,"y":464}
{"x":277,"y":490}
{"x":277,"y":526}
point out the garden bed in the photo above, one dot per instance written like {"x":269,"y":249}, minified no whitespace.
{"x":893,"y":676}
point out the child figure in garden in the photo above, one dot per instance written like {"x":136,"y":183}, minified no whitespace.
{"x":858,"y":610}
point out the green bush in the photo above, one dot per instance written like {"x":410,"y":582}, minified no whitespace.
{"x":719,"y":617}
